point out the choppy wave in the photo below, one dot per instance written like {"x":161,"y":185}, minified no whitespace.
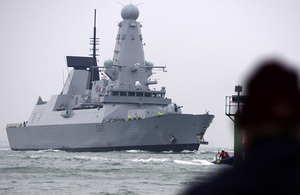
{"x":203,"y":162}
{"x":189,"y":151}
{"x":141,"y":172}
{"x":45,"y":156}
{"x":135,"y":151}
{"x":35,"y":156}
{"x":48,"y":150}
{"x":4,"y":149}
{"x":193,"y":162}
{"x":151,"y":160}
{"x":168,"y":152}
{"x":87,"y":158}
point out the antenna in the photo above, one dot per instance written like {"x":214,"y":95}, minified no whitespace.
{"x":139,"y":4}
{"x":94,"y":48}
{"x":94,"y":75}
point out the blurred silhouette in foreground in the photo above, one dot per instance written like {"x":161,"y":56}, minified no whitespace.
{"x":270,"y":121}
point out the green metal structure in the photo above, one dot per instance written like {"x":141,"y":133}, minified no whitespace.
{"x":232,"y":110}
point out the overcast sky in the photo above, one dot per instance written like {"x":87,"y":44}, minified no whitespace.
{"x":208,"y":47}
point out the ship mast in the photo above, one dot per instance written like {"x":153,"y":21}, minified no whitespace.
{"x":94,"y":73}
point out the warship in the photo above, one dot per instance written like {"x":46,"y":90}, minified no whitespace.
{"x":111,"y":107}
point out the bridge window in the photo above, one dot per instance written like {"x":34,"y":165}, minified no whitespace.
{"x":139,"y":94}
{"x":131,"y":93}
{"x":123,"y":93}
{"x":147,"y":94}
{"x":158,"y":95}
{"x":115,"y":93}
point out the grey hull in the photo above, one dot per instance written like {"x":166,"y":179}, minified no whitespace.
{"x":174,"y":132}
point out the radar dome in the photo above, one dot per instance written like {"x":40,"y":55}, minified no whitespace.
{"x":149,"y":65}
{"x":108,"y":63}
{"x":130,"y":12}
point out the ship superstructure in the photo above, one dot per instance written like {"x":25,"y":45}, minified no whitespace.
{"x":116,"y":110}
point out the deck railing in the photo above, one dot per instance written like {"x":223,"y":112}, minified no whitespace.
{"x":15,"y":125}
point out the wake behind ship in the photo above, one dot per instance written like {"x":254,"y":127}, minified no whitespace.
{"x":114,"y":111}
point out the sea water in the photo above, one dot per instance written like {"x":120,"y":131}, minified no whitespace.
{"x":123,"y":172}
